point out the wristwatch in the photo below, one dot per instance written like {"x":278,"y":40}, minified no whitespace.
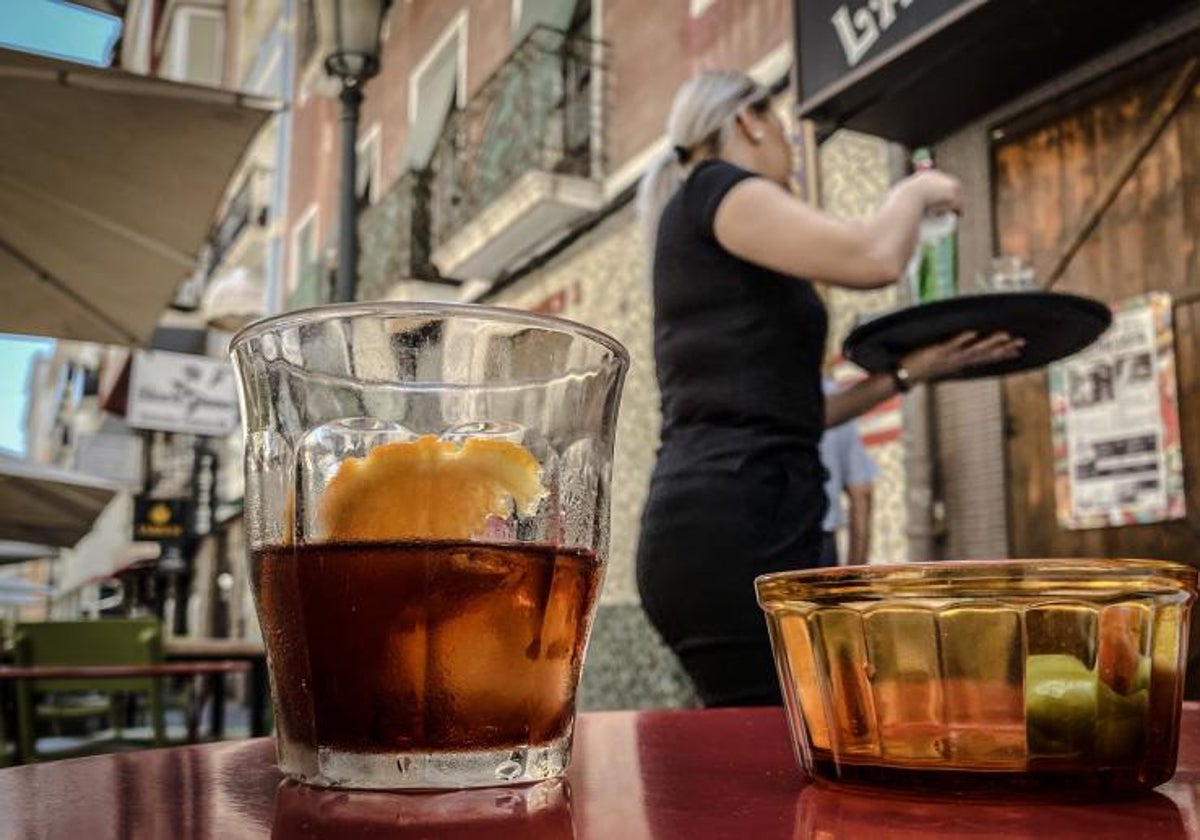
{"x":902,"y":379}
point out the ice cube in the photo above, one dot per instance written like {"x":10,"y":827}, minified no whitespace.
{"x":322,"y":450}
{"x":492,"y":430}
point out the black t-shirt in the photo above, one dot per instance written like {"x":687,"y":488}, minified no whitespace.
{"x":738,"y":346}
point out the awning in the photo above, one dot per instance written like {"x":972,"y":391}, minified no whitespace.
{"x":20,"y":552}
{"x":14,"y":585}
{"x":234,"y":299}
{"x":108,"y":186}
{"x":20,"y":599}
{"x":40,"y":504}
{"x":914,"y":72}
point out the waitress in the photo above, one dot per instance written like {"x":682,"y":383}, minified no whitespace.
{"x":739,"y":338}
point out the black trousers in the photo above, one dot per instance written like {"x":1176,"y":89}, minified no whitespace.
{"x":707,"y":533}
{"x":829,"y":550}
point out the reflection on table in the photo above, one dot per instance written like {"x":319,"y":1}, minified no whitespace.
{"x":535,"y":812}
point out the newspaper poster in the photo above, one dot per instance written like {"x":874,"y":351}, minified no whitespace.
{"x":1114,"y":412}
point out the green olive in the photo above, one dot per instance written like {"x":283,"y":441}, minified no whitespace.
{"x":1060,"y":705}
{"x":1070,"y":712}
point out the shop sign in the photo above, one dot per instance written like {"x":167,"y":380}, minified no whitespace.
{"x":113,"y":457}
{"x":836,"y":36}
{"x":204,"y":489}
{"x":161,"y":520}
{"x":180,"y":392}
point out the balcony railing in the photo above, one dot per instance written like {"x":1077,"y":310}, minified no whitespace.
{"x":309,"y":37}
{"x":539,"y":112}
{"x":394,"y":237}
{"x":247,"y":207}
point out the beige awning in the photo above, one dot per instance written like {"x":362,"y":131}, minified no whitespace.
{"x":21,"y":552}
{"x":108,"y":185}
{"x":16,"y":585}
{"x":40,"y":504}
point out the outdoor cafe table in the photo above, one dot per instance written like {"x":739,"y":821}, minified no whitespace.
{"x":212,"y":668}
{"x":665,"y":774}
{"x":187,"y":649}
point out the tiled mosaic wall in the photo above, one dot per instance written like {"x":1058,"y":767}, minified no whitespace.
{"x":855,"y":176}
{"x":601,"y":280}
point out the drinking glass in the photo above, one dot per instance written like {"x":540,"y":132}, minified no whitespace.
{"x":1008,"y":274}
{"x":427,"y":513}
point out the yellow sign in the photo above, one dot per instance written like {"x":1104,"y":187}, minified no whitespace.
{"x":160,"y":519}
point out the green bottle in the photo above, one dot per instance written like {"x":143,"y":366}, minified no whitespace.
{"x":933,"y":270}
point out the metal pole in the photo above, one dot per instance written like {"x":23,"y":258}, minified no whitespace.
{"x":347,"y":277}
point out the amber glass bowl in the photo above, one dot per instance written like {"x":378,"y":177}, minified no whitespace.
{"x":1058,"y":678}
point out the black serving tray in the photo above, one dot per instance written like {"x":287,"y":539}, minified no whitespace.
{"x":1054,"y":325}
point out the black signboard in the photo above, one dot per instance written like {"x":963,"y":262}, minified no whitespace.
{"x":162,"y":520}
{"x":835,"y":37}
{"x":204,"y":488}
{"x":915,"y":71}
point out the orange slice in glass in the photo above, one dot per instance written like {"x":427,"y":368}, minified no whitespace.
{"x":429,"y":489}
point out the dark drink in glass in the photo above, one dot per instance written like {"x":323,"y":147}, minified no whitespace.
{"x":427,"y":507}
{"x":427,"y":646}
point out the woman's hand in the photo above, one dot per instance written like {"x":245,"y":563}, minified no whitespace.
{"x":938,"y":191}
{"x":963,"y":351}
{"x":924,"y":365}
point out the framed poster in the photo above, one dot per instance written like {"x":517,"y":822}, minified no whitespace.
{"x":1114,"y":415}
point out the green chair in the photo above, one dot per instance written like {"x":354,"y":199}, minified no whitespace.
{"x":101,"y":642}
{"x":6,"y":755}
{"x":6,"y":752}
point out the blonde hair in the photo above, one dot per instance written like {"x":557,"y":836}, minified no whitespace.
{"x":699,"y":124}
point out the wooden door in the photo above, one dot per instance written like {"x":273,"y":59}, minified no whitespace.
{"x":1147,"y":241}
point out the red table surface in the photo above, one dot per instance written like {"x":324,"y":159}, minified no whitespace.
{"x":685,"y":774}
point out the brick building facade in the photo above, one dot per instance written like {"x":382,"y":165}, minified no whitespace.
{"x":499,"y":148}
{"x":552,"y":233}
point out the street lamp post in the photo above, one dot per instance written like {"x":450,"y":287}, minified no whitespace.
{"x":350,"y":31}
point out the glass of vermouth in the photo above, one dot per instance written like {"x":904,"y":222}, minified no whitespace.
{"x":427,"y":513}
